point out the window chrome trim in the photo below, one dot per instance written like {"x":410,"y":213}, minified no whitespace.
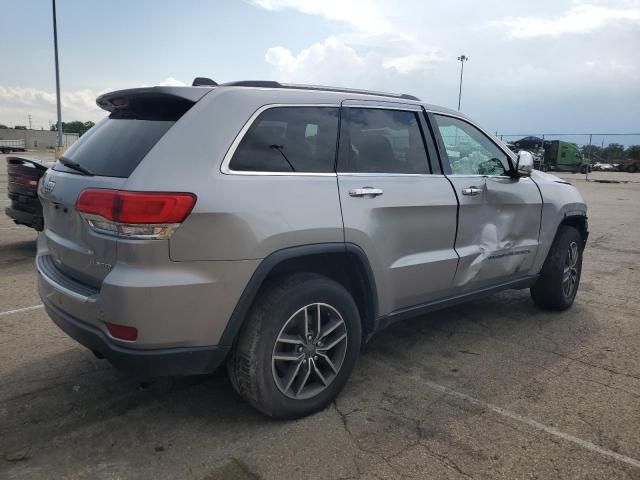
{"x":225,"y":169}
{"x":477,"y":175}
{"x":400,"y":107}
{"x":384,"y":174}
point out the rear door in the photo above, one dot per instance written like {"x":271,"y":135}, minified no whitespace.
{"x":394,"y":205}
{"x":499,"y":217}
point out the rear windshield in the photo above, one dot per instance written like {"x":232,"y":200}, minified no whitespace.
{"x":115,"y":146}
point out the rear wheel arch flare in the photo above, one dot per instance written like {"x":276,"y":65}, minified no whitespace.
{"x":345,"y":263}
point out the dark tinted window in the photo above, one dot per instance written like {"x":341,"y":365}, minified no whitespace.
{"x":115,"y":147}
{"x":290,"y":139}
{"x":381,"y":141}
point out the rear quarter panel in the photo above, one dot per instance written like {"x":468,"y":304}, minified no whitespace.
{"x":236,"y":217}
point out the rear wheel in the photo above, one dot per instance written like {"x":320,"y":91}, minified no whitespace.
{"x":560,"y":276}
{"x":297,"y":347}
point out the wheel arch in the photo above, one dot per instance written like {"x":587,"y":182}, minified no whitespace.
{"x":345,"y":263}
{"x":579,"y":222}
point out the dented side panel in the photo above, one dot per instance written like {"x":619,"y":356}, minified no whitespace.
{"x":498,"y":230}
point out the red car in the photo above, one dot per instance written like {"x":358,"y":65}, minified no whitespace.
{"x":23,"y":177}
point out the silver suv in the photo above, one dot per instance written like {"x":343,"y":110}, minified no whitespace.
{"x":277,"y":227}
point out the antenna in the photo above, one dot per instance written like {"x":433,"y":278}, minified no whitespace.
{"x":203,"y":82}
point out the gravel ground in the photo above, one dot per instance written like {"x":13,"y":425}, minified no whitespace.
{"x":492,"y":389}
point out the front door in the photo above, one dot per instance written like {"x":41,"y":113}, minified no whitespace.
{"x":499,"y":216}
{"x":394,"y":206}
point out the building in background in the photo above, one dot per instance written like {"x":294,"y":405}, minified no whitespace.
{"x":37,"y":139}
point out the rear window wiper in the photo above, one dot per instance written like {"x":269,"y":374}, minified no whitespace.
{"x":279,"y":148}
{"x":75,"y":166}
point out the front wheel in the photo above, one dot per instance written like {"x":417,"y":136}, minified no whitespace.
{"x":297,"y":347}
{"x":560,"y":276}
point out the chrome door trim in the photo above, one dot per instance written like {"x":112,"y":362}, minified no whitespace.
{"x":470,"y":175}
{"x":225,"y":169}
{"x":384,"y":174}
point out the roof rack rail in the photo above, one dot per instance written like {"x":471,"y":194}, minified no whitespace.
{"x":322,"y":88}
{"x":253,"y":83}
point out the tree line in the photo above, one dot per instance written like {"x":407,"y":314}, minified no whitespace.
{"x":612,"y":153}
{"x":74,"y":127}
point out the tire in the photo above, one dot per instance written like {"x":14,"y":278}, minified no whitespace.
{"x":584,"y":169}
{"x":254,"y":368}
{"x":554,"y":290}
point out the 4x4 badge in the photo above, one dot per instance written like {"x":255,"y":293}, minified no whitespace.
{"x":49,"y":186}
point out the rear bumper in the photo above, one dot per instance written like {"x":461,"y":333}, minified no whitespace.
{"x":148,"y":362}
{"x":33,"y":220}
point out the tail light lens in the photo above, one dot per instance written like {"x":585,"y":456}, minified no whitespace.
{"x":151,"y":215}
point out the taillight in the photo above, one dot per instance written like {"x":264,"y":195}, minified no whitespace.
{"x":153,"y":215}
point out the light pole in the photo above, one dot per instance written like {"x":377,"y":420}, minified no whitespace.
{"x":462,"y":59}
{"x":55,"y":47}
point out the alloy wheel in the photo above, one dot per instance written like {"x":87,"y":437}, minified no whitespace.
{"x":309,"y":351}
{"x":570,"y":272}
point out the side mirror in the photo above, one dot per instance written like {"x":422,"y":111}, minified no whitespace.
{"x":524,"y":164}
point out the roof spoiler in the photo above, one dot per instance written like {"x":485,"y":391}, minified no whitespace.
{"x":131,"y":99}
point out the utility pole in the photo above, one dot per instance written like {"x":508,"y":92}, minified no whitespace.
{"x":55,"y":47}
{"x":29,"y":118}
{"x":462,"y":59}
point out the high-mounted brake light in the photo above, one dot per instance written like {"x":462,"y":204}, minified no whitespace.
{"x":152,"y":215}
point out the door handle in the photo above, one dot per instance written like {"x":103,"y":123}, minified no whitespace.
{"x":365,"y":192}
{"x":473,"y":191}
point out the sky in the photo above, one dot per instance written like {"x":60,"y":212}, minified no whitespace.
{"x":534,"y":66}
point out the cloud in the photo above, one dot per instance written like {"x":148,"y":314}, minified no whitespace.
{"x":579,"y":19}
{"x":17,"y":102}
{"x":375,"y":44}
{"x":336,"y":62}
{"x":361,"y":14}
{"x":412,"y":63}
{"x":172,"y":82}
{"x":318,"y":59}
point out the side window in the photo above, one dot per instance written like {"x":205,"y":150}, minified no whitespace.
{"x":290,"y":139}
{"x":469,"y":150}
{"x":381,"y":141}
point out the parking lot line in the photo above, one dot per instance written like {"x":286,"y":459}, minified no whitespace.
{"x":528,"y":421}
{"x":18,"y":310}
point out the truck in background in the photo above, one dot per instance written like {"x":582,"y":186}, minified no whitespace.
{"x":564,"y":157}
{"x":554,"y":155}
{"x":8,"y":146}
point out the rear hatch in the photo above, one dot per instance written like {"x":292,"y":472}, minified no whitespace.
{"x":103,"y":158}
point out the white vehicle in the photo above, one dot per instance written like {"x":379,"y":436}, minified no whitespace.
{"x":603,"y":167}
{"x":8,"y":146}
